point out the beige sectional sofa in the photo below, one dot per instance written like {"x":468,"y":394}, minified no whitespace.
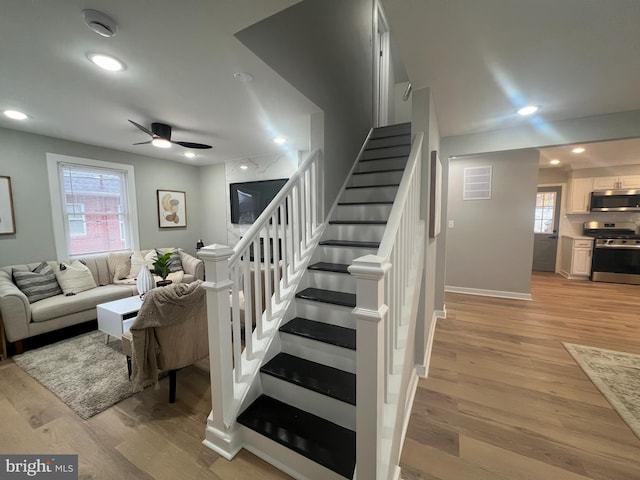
{"x":22,"y":319}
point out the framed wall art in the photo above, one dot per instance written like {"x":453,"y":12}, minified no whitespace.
{"x":435,"y":198}
{"x":172,"y":209}
{"x":7,"y":217}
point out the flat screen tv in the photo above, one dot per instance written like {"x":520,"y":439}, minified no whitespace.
{"x":249,"y":199}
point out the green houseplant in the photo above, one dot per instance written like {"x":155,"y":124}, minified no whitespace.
{"x":161,"y":267}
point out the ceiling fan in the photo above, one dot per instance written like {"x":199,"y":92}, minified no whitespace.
{"x":161,"y":137}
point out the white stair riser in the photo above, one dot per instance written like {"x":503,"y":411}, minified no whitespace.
{"x":359,"y":233}
{"x":379,"y":178}
{"x":325,"y":312}
{"x":339,"y":254}
{"x":341,"y":282}
{"x":369,"y":194}
{"x":281,"y":457}
{"x":336,"y":411}
{"x":319,"y":352}
{"x":362,"y":212}
{"x":390,"y":141}
{"x":386,"y":152}
{"x":384,"y":164}
{"x":391,"y":130}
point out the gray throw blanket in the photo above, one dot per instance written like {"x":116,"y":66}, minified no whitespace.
{"x":161,"y":307}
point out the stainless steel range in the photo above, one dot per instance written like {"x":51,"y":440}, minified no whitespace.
{"x":616,"y":252}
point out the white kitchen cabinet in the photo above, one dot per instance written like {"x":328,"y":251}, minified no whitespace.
{"x":579,"y":195}
{"x":616,"y":183}
{"x":576,"y":257}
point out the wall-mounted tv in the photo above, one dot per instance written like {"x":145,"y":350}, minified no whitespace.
{"x":249,"y":199}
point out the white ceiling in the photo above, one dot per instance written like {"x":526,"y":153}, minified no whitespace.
{"x":598,"y":154}
{"x":180,"y":58}
{"x":481,"y":58}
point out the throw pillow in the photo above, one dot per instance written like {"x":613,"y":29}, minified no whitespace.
{"x":38,"y":284}
{"x":74,"y":278}
{"x":119,"y":264}
{"x":175,"y":264}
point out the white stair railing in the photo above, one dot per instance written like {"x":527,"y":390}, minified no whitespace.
{"x":248,"y":290}
{"x":387,"y":294}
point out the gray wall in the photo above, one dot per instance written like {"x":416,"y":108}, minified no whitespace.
{"x":491,"y":244}
{"x":214,"y":199}
{"x":549,"y":176}
{"x":322,"y":48}
{"x":23,"y":158}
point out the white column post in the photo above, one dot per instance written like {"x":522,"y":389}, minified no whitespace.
{"x":371,"y":315}
{"x":221,"y":434}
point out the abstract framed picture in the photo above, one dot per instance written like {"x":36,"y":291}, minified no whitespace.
{"x":172,"y":209}
{"x":435,"y":198}
{"x":7,"y":217}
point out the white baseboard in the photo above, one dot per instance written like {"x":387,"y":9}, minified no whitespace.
{"x":226,"y":444}
{"x":488,"y":293}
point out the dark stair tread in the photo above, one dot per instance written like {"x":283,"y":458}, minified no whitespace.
{"x":366,"y":203}
{"x":328,"y":381}
{"x":330,"y":267}
{"x":384,"y":158}
{"x":321,"y":332}
{"x":380,"y":171}
{"x":403,"y":144}
{"x":321,"y":441}
{"x":328,"y":296}
{"x":375,"y":186}
{"x":349,"y":243}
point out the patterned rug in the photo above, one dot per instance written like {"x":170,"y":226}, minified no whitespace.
{"x":617,"y":376}
{"x":84,"y":372}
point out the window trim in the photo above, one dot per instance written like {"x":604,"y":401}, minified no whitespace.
{"x":83,"y":219}
{"x":57,"y":209}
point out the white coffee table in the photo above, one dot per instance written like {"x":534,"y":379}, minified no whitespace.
{"x":116,"y":317}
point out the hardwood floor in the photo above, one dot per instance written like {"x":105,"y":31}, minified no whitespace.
{"x":503,"y":400}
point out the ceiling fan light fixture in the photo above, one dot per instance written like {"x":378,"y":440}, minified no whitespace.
{"x":161,"y":143}
{"x":528,"y":110}
{"x":15,"y":115}
{"x":106,"y":62}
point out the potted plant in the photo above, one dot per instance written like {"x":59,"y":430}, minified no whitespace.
{"x":161,"y":268}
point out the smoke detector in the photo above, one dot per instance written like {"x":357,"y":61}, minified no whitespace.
{"x":100,"y":23}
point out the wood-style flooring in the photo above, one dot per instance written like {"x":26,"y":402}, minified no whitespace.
{"x":503,"y":400}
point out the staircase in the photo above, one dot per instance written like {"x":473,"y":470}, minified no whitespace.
{"x":301,"y":413}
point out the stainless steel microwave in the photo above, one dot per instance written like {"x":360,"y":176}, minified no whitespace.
{"x":615,"y":201}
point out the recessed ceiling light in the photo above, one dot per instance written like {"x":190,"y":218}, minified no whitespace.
{"x":106,"y":62}
{"x":189,"y":154}
{"x":243,"y":167}
{"x":161,"y":143}
{"x":578,"y":150}
{"x":15,"y":115}
{"x":243,"y":77}
{"x":280,"y":140}
{"x":555,"y":161}
{"x":528,"y":110}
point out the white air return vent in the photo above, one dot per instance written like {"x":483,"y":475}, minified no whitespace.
{"x":477,"y":183}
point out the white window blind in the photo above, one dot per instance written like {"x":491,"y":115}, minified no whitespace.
{"x":477,"y":183}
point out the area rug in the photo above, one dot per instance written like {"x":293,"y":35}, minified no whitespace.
{"x":84,"y":372}
{"x":617,"y":376}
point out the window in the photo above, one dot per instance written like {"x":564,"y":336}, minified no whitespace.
{"x":545,"y":209}
{"x":93,"y":205}
{"x":77,"y":221}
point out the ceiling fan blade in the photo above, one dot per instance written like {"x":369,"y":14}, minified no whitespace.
{"x":144,"y":129}
{"x":199,"y":146}
{"x":142,"y":143}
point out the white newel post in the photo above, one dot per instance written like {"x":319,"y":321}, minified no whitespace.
{"x":371,"y":315}
{"x":221,"y":434}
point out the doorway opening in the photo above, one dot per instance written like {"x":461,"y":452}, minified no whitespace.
{"x":381,"y":49}
{"x":545,"y":228}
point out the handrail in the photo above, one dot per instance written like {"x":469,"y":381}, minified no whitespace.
{"x":260,"y":222}
{"x":393,"y":223}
